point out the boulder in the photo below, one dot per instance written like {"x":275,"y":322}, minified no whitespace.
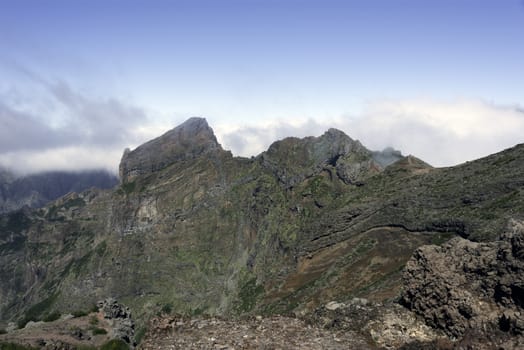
{"x":464,"y":285}
{"x":119,"y":316}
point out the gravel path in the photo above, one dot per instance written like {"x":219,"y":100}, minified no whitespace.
{"x":275,"y":332}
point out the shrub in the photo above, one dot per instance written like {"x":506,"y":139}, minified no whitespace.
{"x":21,"y":323}
{"x":53,"y":316}
{"x":34,"y":312}
{"x":167,"y":308}
{"x":139,"y":334}
{"x":79,"y":313}
{"x":97,"y":331}
{"x":115,"y":344}
{"x":94,"y":308}
{"x":13,"y":346}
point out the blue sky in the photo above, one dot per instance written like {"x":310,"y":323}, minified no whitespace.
{"x":84,"y":79}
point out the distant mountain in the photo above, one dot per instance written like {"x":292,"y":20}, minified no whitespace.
{"x":39,"y":189}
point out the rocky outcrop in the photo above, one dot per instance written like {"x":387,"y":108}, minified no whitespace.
{"x":388,"y":325}
{"x":119,"y":316}
{"x":292,"y":160}
{"x":188,"y":141}
{"x":464,"y":286}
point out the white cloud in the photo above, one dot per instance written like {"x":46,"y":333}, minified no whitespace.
{"x":71,"y":158}
{"x":254,"y":139}
{"x":94,"y":132}
{"x":89,"y":133}
{"x":442,"y":133}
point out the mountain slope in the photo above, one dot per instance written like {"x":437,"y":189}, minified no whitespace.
{"x":194,"y":229}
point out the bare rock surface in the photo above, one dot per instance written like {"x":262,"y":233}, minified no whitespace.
{"x":120,"y":320}
{"x":276,"y":332}
{"x":387,"y":326}
{"x":464,"y":287}
{"x":292,"y":159}
{"x":66,"y":333}
{"x":191,"y":139}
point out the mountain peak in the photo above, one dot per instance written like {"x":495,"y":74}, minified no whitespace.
{"x":293,"y":159}
{"x":194,"y":126}
{"x":189,"y":140}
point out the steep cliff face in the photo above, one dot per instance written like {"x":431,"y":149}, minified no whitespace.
{"x":293,"y":160}
{"x":193,"y":229}
{"x":190,"y":140}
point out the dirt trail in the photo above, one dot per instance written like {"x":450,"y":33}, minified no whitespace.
{"x":275,"y":332}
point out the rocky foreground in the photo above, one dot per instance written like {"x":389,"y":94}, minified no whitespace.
{"x":471,"y":290}
{"x":461,"y":295}
{"x":275,"y":332}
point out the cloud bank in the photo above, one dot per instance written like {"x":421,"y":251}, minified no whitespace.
{"x":87,"y":132}
{"x":62,"y":129}
{"x":443,"y":133}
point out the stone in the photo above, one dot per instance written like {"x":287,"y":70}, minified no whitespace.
{"x":464,"y":285}
{"x":333,"y":305}
{"x":122,"y":324}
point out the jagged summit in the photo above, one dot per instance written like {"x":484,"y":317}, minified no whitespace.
{"x":193,"y":128}
{"x":293,"y":159}
{"x":187,"y":141}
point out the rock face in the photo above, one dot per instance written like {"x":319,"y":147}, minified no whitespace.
{"x":192,"y":139}
{"x":463,"y":286}
{"x":119,"y":316}
{"x":292,"y":160}
{"x":388,"y":325}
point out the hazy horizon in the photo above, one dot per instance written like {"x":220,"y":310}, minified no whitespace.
{"x":81,"y":81}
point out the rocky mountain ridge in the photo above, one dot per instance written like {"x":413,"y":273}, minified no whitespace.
{"x":194,"y":230}
{"x":193,"y":139}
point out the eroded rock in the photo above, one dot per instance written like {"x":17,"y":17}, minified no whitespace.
{"x":119,"y":316}
{"x":463,"y":285}
{"x":388,"y":325}
{"x":191,"y":139}
{"x":292,"y":159}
